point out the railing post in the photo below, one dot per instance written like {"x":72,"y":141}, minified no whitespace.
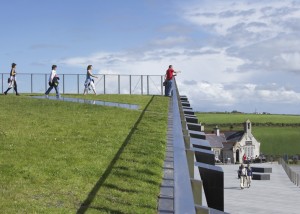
{"x":161,"y":85}
{"x":104,"y":84}
{"x":31,"y":83}
{"x":142,"y":85}
{"x":147,"y":84}
{"x":119,"y":90}
{"x":130,"y":84}
{"x":45,"y":82}
{"x":77,"y":83}
{"x":2,"y":83}
{"x":63,"y":83}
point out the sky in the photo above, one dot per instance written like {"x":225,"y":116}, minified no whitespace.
{"x":233,"y":55}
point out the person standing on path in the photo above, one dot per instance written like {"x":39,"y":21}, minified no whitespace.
{"x":243,"y":178}
{"x":12,"y":80}
{"x":89,"y":81}
{"x":249,"y":175}
{"x":168,"y":80}
{"x":53,"y":82}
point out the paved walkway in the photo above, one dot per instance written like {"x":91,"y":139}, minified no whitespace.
{"x":278,"y":195}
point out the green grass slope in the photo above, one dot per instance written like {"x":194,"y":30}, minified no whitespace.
{"x":53,"y":154}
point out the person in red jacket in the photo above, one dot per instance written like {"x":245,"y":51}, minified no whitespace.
{"x":168,"y":80}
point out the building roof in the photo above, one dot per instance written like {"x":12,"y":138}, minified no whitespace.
{"x":225,"y":140}
{"x":215,"y":141}
{"x":234,"y":136}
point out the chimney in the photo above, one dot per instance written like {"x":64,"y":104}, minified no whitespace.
{"x":217,"y":131}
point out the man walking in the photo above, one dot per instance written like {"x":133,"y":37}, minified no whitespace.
{"x":53,"y":82}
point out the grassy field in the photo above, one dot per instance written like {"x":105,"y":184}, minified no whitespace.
{"x":221,"y":118}
{"x":274,"y":139}
{"x":59,"y":157}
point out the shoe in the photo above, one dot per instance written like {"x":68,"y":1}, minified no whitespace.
{"x":5,"y":93}
{"x":17,"y":94}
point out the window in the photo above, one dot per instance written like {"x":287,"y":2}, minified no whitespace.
{"x":249,"y":150}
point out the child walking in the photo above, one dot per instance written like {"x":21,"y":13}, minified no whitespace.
{"x":89,"y":82}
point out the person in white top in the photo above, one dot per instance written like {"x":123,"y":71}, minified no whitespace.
{"x":89,"y":82}
{"x":243,"y":178}
{"x":53,"y":82}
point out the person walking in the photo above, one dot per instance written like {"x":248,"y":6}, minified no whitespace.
{"x":12,"y":82}
{"x":168,"y":80}
{"x":53,"y":82}
{"x":244,"y":158}
{"x":89,"y":81}
{"x":243,"y":177}
{"x":249,"y":175}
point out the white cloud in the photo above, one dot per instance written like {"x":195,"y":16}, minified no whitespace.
{"x":248,"y":57}
{"x":222,"y":17}
{"x":170,"y":41}
{"x":206,"y":96}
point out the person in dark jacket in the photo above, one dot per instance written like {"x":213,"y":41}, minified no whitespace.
{"x":53,"y":82}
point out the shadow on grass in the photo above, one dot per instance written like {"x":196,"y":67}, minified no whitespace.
{"x":87,"y":202}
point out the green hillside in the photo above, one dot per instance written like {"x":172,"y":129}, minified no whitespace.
{"x":67,"y":157}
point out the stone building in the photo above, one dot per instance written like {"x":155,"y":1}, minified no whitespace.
{"x":232,"y":145}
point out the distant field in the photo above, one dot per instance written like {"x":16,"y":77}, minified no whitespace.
{"x":59,"y":157}
{"x":212,"y":118}
{"x":274,"y":138}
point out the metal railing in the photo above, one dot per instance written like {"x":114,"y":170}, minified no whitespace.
{"x":293,"y":176}
{"x":74,"y":83}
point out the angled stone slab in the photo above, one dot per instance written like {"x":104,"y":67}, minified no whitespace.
{"x":188,"y":112}
{"x":204,"y":156}
{"x":262,"y":169}
{"x":185,"y":103}
{"x":191,"y":119}
{"x":194,"y":127}
{"x":183,"y":98}
{"x":196,"y":134}
{"x":213,"y":185}
{"x":261,"y":176}
{"x":190,"y":115}
{"x":187,"y":108}
{"x":200,"y":143}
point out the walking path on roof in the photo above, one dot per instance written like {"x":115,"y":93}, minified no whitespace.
{"x":94,"y":102}
{"x":278,"y":195}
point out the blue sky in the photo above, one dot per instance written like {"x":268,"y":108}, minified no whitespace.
{"x":234,"y":55}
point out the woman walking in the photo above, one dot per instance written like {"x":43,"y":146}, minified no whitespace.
{"x":89,"y":81}
{"x":12,"y":80}
{"x":53,"y":82}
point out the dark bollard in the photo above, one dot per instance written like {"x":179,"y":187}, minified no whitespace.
{"x":194,"y":127}
{"x":199,"y":135}
{"x":200,"y":143}
{"x":204,"y":156}
{"x":213,"y":184}
{"x":185,"y":104}
{"x":188,"y":112}
{"x":190,"y":119}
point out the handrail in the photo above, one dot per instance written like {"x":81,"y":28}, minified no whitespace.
{"x":183,"y":195}
{"x":293,"y":176}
